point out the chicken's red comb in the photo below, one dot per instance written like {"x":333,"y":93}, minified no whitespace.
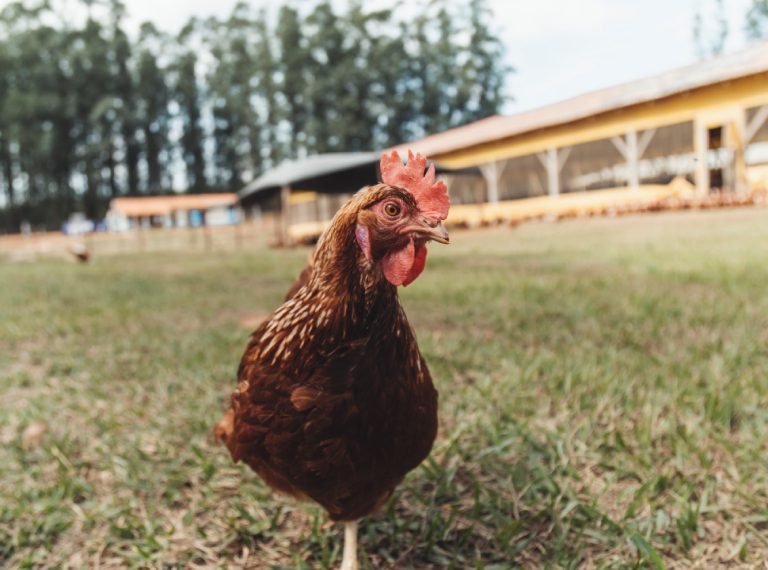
{"x":431,"y":196}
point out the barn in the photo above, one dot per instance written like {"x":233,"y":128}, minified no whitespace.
{"x":299,"y":197}
{"x":698,"y":129}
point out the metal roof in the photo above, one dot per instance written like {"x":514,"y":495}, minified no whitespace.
{"x":310,"y":171}
{"x":751,"y":61}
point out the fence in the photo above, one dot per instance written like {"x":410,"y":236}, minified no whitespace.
{"x":251,"y":234}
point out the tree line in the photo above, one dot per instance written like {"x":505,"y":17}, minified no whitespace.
{"x":89,"y":111}
{"x":711,"y":29}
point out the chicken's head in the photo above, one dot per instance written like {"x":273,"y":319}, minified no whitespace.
{"x":404,"y":213}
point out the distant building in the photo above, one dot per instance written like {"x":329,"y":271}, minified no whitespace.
{"x":302,"y":195}
{"x":706,"y":123}
{"x":179,"y":211}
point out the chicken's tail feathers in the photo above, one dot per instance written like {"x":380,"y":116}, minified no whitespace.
{"x":223,"y":430}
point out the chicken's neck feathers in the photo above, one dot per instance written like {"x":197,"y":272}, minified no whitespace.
{"x":345,"y":299}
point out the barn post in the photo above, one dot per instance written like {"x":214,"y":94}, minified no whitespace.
{"x":632,"y":148}
{"x":700,"y":144}
{"x":749,"y":131}
{"x":553,"y":172}
{"x":735,"y":137}
{"x":755,"y":124}
{"x":285,"y":214}
{"x":553,"y":163}
{"x":490,"y":172}
{"x":633,"y":160}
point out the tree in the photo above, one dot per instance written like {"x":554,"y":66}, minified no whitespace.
{"x":188,"y":97}
{"x":293,"y":61}
{"x":710,"y":41}
{"x":153,"y":98}
{"x":757,"y":19}
{"x":89,"y":112}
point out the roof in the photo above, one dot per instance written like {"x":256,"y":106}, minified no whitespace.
{"x":338,"y":172}
{"x":303,"y":171}
{"x":133,"y":206}
{"x":751,"y":61}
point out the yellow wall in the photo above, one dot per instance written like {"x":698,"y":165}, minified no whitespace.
{"x":708,"y":104}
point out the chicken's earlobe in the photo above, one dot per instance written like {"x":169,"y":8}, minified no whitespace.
{"x":364,"y":240}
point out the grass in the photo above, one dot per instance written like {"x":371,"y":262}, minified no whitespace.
{"x":604,"y":404}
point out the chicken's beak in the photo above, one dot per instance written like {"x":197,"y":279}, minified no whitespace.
{"x":434,"y":231}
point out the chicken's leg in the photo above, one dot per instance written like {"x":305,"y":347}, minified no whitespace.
{"x":349,"y":561}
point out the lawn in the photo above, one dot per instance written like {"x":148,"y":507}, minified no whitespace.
{"x":604,"y":403}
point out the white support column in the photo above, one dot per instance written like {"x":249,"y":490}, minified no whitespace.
{"x":492,"y":172}
{"x":700,"y":144}
{"x":632,"y":149}
{"x":553,"y":172}
{"x":492,"y":179}
{"x":633,"y":160}
{"x":549,"y":162}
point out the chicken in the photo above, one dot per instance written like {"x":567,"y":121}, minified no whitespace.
{"x":335,"y":402}
{"x":79,"y":251}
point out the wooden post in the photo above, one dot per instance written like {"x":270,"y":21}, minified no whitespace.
{"x":490,"y":172}
{"x":285,"y":215}
{"x":700,"y":147}
{"x":755,"y":124}
{"x":735,"y":139}
{"x":633,"y":160}
{"x":553,"y":162}
{"x":632,"y":149}
{"x":748,"y":132}
{"x":553,"y":172}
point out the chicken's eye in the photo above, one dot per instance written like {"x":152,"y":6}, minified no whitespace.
{"x":391,"y":209}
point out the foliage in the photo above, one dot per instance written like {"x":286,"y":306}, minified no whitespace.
{"x":88,"y":113}
{"x":757,"y":19}
{"x":710,"y":41}
{"x":603,"y":404}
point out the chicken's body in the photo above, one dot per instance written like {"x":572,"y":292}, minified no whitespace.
{"x":335,"y":402}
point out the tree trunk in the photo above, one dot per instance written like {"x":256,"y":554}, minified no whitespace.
{"x":131,"y":158}
{"x":6,"y":169}
{"x":154,"y":171}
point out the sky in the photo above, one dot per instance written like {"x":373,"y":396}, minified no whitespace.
{"x":559,"y":48}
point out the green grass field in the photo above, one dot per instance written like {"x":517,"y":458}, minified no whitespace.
{"x":604,"y":403}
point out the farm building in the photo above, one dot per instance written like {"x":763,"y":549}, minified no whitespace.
{"x":694,"y":130}
{"x":701,"y":128}
{"x":183,"y":210}
{"x":307,"y":192}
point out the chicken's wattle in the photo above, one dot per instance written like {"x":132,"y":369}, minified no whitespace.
{"x":402,"y":267}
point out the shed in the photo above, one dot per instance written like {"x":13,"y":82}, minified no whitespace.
{"x":180,"y":210}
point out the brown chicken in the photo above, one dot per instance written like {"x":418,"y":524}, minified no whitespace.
{"x":79,"y":251}
{"x":334,"y":401}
